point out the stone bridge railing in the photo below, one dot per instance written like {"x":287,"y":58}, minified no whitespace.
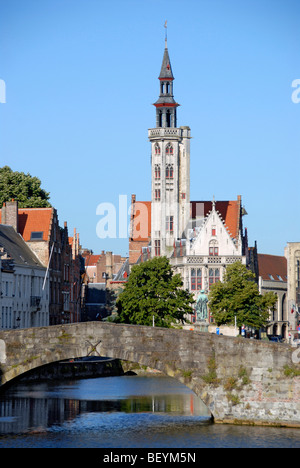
{"x":239,"y":380}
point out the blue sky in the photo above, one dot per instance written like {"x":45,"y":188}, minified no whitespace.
{"x":81,"y":78}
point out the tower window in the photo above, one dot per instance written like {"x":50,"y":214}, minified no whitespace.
{"x":168,"y":118}
{"x":160,"y":119}
{"x":170,"y":224}
{"x":157,"y":248}
{"x":157,"y":195}
{"x":169,"y":149}
{"x":157,"y":149}
{"x":169,"y":172}
{"x":157,"y":172}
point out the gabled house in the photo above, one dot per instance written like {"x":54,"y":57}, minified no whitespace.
{"x":24,"y":286}
{"x":214,"y":238}
{"x":40,"y":229}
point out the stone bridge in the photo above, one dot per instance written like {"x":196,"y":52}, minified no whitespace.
{"x":241,"y":381}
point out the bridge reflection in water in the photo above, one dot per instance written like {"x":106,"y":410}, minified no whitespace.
{"x":76,"y":414}
{"x":36,"y":407}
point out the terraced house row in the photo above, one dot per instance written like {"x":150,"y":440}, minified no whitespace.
{"x":41,"y":268}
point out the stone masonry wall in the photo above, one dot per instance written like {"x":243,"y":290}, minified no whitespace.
{"x":240,"y":380}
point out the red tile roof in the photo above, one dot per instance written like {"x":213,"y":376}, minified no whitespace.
{"x":91,"y":260}
{"x":229,"y":211}
{"x":273,"y":265}
{"x":34,"y":220}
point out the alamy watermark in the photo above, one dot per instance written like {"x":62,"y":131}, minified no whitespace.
{"x":296,"y":93}
{"x":134,"y":219}
{"x":114,"y":220}
{"x":2,"y":92}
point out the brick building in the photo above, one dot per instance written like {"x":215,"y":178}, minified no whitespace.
{"x":40,"y":229}
{"x":102,"y":267}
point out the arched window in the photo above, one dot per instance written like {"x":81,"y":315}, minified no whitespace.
{"x":169,"y":171}
{"x":169,"y":149}
{"x":157,"y":149}
{"x":157,"y":171}
{"x":168,"y":119}
{"x":213,"y":248}
{"x":160,"y":119}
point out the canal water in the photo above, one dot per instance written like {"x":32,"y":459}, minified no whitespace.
{"x":121,"y":412}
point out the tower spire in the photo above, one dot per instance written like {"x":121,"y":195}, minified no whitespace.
{"x":170,"y":166}
{"x":166,"y":105}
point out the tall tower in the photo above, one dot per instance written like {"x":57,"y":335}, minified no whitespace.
{"x":170,"y":166}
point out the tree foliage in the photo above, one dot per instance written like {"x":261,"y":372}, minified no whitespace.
{"x":238,"y":296}
{"x":22,"y":187}
{"x":154,"y":290}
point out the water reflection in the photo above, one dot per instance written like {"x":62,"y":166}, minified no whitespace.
{"x":37,"y":407}
{"x":121,"y":412}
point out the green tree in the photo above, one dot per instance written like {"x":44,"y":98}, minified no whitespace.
{"x":154,"y":290}
{"x":238,"y":296}
{"x":22,"y":187}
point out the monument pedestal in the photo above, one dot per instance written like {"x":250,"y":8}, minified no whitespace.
{"x":201,"y":326}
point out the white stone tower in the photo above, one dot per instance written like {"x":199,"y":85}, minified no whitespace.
{"x":170,"y":166}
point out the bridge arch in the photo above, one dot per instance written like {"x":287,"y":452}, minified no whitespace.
{"x":204,"y":362}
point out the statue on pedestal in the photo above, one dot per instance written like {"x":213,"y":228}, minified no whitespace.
{"x":201,"y":306}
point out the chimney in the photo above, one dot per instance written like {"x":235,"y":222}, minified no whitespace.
{"x":77,"y":244}
{"x":10,"y":214}
{"x":74,"y":244}
{"x":109,"y":264}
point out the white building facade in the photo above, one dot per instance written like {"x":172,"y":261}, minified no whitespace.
{"x":24,"y":300}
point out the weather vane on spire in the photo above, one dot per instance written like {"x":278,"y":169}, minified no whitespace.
{"x":166,"y":36}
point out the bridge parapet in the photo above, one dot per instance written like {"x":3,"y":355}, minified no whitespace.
{"x":240,"y":380}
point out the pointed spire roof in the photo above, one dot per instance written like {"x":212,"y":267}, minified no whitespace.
{"x":166,"y":69}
